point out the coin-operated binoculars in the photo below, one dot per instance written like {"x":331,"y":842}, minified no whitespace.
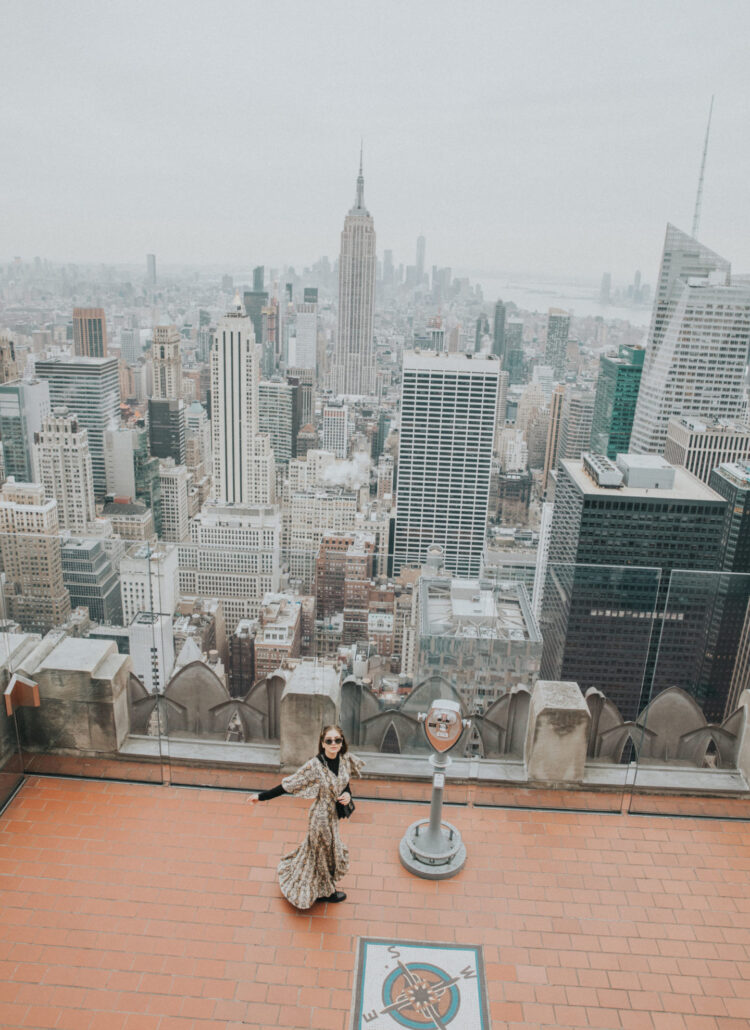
{"x":431,"y":848}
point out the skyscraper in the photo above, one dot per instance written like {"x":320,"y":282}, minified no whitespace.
{"x":701,"y":446}
{"x":166,"y":408}
{"x":355,"y":370}
{"x":276,"y":417}
{"x":91,"y":580}
{"x":30,"y":550}
{"x":90,"y":389}
{"x":166,"y":429}
{"x":556,"y":350}
{"x":243,"y":461}
{"x":482,"y":330}
{"x":23,"y":406}
{"x":716,"y":687}
{"x":306,"y":340}
{"x":421,"y":245}
{"x":575,"y":424}
{"x":616,"y":397}
{"x":697,"y":344}
{"x":513,"y":360}
{"x":255,"y":301}
{"x":302,"y":383}
{"x":448,"y":411}
{"x":336,"y":429}
{"x":132,"y":474}
{"x":617,"y":533}
{"x":130,"y":345}
{"x":174,"y":501}
{"x":89,"y":333}
{"x":167,"y":363}
{"x":498,"y":333}
{"x":151,"y":269}
{"x":8,"y":365}
{"x":149,"y":581}
{"x":65,"y":471}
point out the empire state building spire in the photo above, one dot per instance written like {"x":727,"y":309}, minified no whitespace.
{"x":359,"y":203}
{"x":354,"y":371}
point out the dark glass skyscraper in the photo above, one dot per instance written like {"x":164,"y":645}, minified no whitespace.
{"x":616,"y":536}
{"x":730,"y":593}
{"x":513,"y":359}
{"x":255,"y":301}
{"x":498,"y":333}
{"x":166,"y":429}
{"x":616,"y":397}
{"x":91,"y":580}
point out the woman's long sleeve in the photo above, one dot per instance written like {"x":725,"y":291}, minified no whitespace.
{"x":268,"y":795}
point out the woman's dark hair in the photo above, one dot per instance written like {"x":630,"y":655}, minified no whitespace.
{"x":343,"y":749}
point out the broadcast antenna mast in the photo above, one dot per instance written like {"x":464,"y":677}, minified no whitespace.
{"x":699,"y":195}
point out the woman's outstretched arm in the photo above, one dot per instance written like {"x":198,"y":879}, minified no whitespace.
{"x":267,"y":795}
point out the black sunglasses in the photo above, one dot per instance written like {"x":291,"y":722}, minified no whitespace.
{"x":333,"y":740}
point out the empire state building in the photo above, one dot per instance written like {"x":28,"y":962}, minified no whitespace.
{"x":354,"y":365}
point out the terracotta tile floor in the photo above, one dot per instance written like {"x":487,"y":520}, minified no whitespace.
{"x":139,"y":907}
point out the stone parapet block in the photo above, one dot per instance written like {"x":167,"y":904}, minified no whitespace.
{"x":310,"y":701}
{"x":557,"y":733}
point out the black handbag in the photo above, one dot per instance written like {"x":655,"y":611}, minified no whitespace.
{"x":344,"y":811}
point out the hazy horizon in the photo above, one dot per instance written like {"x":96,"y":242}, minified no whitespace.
{"x":544,"y":139}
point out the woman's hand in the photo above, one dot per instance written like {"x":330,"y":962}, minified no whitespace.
{"x":345,"y":798}
{"x":253,"y":799}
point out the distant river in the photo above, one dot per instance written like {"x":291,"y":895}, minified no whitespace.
{"x":580,"y":299}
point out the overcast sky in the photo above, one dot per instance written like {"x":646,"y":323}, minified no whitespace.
{"x":545,"y":137}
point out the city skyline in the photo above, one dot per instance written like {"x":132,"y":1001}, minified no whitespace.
{"x":625,"y":126}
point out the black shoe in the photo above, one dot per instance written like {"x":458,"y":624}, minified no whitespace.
{"x":335,"y":897}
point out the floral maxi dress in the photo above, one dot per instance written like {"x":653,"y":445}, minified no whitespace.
{"x":312,"y":870}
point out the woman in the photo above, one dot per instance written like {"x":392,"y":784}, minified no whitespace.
{"x":309,"y":874}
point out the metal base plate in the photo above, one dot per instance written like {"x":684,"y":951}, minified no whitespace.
{"x":454,"y":849}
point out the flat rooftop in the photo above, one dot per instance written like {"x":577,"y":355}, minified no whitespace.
{"x":462,"y":608}
{"x":442,"y":361}
{"x":686,"y":487}
{"x":701,"y":425}
{"x":151,"y":907}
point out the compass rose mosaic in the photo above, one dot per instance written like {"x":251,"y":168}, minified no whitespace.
{"x":419,"y":986}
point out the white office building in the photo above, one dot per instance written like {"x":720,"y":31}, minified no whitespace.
{"x":702,"y":446}
{"x":149,"y":581}
{"x":306,"y":340}
{"x":448,"y":412}
{"x":336,"y":429}
{"x":243,"y":465}
{"x":276,"y":417}
{"x":152,"y":649}
{"x":233,"y":554}
{"x":174,"y":501}
{"x":697,"y":346}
